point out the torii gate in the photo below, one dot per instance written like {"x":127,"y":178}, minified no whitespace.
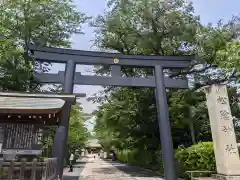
{"x":115,"y":60}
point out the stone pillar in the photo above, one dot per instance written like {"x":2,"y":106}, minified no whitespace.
{"x":3,"y":2}
{"x":1,"y":138}
{"x":82,"y":152}
{"x":105,"y":155}
{"x":223,"y":133}
{"x":86,"y":152}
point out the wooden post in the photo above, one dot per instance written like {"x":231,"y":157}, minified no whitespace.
{"x":11,"y":170}
{"x":34,"y":169}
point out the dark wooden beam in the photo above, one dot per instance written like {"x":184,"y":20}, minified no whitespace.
{"x":110,"y":81}
{"x":60,"y":55}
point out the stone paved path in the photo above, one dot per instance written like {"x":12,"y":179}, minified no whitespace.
{"x":97,"y":169}
{"x":77,"y":169}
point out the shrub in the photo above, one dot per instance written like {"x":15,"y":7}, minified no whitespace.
{"x":142,"y":158}
{"x":133,"y":157}
{"x":197,"y":157}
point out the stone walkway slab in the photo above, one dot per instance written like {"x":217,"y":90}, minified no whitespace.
{"x":97,"y":169}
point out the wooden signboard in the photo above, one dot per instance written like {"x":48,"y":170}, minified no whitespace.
{"x":21,"y":138}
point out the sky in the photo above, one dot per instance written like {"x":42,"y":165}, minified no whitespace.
{"x":209,"y":11}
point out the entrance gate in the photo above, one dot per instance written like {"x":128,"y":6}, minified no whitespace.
{"x":115,"y":60}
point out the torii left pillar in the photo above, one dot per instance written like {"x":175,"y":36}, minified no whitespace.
{"x":60,"y":142}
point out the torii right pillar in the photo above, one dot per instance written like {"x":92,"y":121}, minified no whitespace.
{"x":223,"y":133}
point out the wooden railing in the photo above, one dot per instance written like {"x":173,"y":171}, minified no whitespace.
{"x":50,"y":172}
{"x":35,"y":170}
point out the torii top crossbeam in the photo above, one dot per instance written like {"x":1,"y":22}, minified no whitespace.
{"x":61,"y":55}
{"x":115,"y":60}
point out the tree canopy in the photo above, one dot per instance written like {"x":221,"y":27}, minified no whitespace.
{"x":127,"y":118}
{"x":38,"y":22}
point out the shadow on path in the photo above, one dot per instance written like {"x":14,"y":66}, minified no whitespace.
{"x":70,"y":177}
{"x":131,"y":170}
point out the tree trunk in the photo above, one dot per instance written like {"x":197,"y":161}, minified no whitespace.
{"x":192,"y":131}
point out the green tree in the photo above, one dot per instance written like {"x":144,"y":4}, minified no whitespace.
{"x":229,"y":59}
{"x":162,"y":28}
{"x":38,"y":22}
{"x":78,"y":133}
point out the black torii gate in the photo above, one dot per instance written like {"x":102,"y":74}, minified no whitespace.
{"x":115,"y":60}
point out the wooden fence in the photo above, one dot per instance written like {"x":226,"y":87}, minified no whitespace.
{"x":23,"y":170}
{"x":3,"y":1}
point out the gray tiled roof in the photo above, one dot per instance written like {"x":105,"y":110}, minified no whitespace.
{"x":93,"y":143}
{"x":32,"y":103}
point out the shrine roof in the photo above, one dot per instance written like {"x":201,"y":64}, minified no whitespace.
{"x":93,"y":143}
{"x":33,"y":103}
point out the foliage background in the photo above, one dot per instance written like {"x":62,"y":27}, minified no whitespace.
{"x":127,"y":120}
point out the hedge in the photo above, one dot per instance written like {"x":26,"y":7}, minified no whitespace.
{"x":197,"y":157}
{"x":146,"y":159}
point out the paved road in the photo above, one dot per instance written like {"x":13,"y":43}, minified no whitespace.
{"x":97,"y":169}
